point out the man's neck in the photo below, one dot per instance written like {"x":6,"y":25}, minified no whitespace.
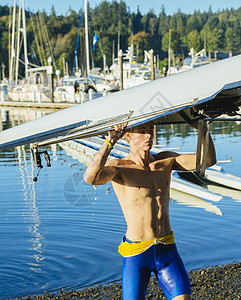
{"x":141,"y":157}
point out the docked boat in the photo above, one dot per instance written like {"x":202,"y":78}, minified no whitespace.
{"x":75,"y":89}
{"x":218,"y":175}
{"x":134,"y":73}
{"x":35,"y":88}
{"x":194,"y":60}
{"x":180,"y":184}
{"x":4,"y":90}
{"x":37,"y":83}
{"x":214,"y":174}
{"x":104,"y":85}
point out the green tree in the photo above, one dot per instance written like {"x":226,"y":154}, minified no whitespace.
{"x":136,"y":21}
{"x":181,"y":23}
{"x":153,"y":26}
{"x":216,"y":31}
{"x":66,"y":44}
{"x":212,"y":22}
{"x":60,"y":62}
{"x":163,"y":21}
{"x":192,"y":24}
{"x":194,"y":40}
{"x":146,"y":22}
{"x":212,"y":42}
{"x":4,"y":54}
{"x":174,"y":38}
{"x":142,"y":42}
{"x":237,"y":36}
{"x":230,"y":37}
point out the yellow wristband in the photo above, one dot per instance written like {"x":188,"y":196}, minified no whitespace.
{"x":109,"y":143}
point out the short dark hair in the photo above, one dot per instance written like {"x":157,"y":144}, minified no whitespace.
{"x":132,"y":129}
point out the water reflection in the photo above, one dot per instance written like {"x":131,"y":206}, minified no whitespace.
{"x":69,"y":246}
{"x":31,"y":214}
{"x":192,"y":201}
{"x":182,"y":130}
{"x":11,"y":117}
{"x":228,"y":192}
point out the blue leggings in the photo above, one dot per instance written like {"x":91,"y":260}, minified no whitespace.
{"x":166,"y":264}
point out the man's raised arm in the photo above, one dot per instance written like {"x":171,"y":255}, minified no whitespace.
{"x":187,"y":162}
{"x":99,"y":172}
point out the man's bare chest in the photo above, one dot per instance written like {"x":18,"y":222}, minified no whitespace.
{"x":156,"y":176}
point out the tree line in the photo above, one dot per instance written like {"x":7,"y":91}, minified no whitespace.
{"x":117,"y":27}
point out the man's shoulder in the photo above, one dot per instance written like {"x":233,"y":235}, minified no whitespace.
{"x":119,"y":165}
{"x":165,"y":155}
{"x":118,"y":162}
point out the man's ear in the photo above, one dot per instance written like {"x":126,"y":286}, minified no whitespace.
{"x":128,"y":136}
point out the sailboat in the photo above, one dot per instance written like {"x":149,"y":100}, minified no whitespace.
{"x":77,"y":88}
{"x":35,"y":87}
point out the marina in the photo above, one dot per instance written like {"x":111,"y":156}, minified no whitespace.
{"x":64,"y":233}
{"x":59,"y":236}
{"x":60,"y":232}
{"x":41,"y":87}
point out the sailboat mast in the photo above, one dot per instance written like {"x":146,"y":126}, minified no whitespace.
{"x":87,"y":41}
{"x":25,"y":41}
{"x":12,"y":46}
{"x":169,"y":51}
{"x":18,"y":43}
{"x":21,"y":13}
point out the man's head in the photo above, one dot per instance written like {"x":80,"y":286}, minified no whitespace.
{"x":141,"y":136}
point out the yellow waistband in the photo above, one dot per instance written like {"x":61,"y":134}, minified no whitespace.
{"x":130,"y":249}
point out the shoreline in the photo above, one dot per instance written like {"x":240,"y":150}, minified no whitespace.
{"x":206,"y":283}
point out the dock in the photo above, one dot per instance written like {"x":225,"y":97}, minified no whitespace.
{"x":43,"y":105}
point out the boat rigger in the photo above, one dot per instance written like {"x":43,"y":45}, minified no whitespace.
{"x":121,"y":149}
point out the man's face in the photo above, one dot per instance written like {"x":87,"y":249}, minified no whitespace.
{"x":142,"y":137}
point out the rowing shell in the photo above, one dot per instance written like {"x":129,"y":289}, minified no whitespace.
{"x":212,"y":90}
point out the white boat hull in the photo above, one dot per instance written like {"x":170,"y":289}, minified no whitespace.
{"x":159,"y":101}
{"x":218,"y":175}
{"x":190,"y":188}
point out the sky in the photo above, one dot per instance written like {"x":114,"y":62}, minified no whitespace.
{"x":171,"y":6}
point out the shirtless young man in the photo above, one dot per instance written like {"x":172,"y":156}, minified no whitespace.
{"x":141,"y":182}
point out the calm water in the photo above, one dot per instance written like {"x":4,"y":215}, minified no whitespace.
{"x":61,"y":233}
